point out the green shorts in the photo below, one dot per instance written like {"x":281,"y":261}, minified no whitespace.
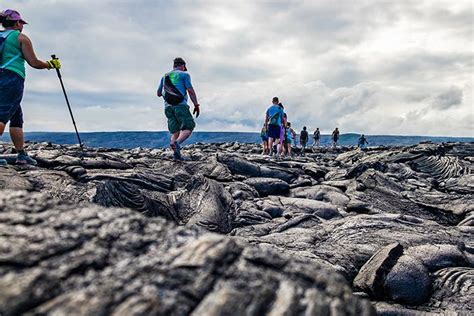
{"x":179,"y":118}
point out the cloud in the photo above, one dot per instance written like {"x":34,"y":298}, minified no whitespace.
{"x":375,"y":67}
{"x":448,"y":99}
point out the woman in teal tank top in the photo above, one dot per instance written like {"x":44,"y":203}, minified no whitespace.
{"x":16,"y":48}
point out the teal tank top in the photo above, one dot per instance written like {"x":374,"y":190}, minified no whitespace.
{"x":10,"y":50}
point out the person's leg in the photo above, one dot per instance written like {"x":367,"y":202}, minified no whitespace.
{"x":3,"y":162}
{"x":185,"y":121}
{"x":16,"y":129}
{"x":183,"y":135}
{"x":173,"y":128}
{"x":174,"y":137}
{"x":273,"y":134}
{"x":17,"y":136}
{"x":178,"y":138}
{"x":186,"y":126}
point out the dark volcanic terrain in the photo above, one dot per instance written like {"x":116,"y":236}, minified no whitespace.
{"x":231,"y":232}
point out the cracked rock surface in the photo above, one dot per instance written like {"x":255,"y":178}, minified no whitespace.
{"x":231,"y":232}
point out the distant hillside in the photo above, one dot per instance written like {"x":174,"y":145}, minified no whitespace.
{"x":161,"y":139}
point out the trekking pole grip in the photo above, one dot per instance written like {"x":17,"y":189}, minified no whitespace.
{"x":57,"y":70}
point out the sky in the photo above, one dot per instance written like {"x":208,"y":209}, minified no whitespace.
{"x":375,"y":67}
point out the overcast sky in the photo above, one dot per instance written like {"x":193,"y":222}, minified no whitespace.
{"x":377,"y":67}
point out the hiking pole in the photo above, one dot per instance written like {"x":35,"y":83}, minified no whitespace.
{"x":70,"y":110}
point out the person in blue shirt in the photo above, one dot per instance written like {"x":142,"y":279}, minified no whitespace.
{"x":289,"y":138}
{"x":274,"y":121}
{"x":174,"y":88}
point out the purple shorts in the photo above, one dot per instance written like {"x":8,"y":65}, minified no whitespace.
{"x":282,"y":134}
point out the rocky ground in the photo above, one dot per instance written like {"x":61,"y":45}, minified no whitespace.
{"x":231,"y":232}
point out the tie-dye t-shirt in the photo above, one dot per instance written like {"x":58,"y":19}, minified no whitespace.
{"x":181,"y":80}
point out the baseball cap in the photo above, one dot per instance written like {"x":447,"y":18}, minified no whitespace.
{"x":12,"y":15}
{"x":178,"y":61}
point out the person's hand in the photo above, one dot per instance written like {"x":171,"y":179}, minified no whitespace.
{"x":196,"y":110}
{"x":54,"y":63}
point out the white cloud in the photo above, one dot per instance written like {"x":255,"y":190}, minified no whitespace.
{"x":398,"y":67}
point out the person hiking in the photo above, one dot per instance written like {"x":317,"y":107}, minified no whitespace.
{"x":303,"y":140}
{"x":362,"y":142}
{"x":317,"y":137}
{"x":335,"y":137}
{"x":264,"y":136}
{"x":273,"y":122}
{"x":288,"y":138}
{"x":16,"y":48}
{"x":174,"y":88}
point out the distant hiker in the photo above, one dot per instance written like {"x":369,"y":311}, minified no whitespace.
{"x":316,"y":137}
{"x":15,"y":48}
{"x":362,"y":142}
{"x":294,"y":142}
{"x":288,"y":138}
{"x":273,"y":122}
{"x":174,"y":88}
{"x":303,"y":140}
{"x":264,"y":136}
{"x":335,"y":137}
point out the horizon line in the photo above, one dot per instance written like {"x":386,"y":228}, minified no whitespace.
{"x":246,"y":132}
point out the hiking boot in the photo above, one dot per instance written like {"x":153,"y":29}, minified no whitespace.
{"x":3,"y":162}
{"x":24,"y":159}
{"x":176,"y":151}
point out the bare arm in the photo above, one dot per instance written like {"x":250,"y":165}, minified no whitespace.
{"x":159,"y":92}
{"x":192,"y":95}
{"x":29,"y":53}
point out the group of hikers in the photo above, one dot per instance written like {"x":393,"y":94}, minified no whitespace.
{"x":175,"y":86}
{"x":16,"y":49}
{"x":278,"y":136}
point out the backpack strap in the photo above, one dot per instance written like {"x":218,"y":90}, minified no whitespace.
{"x":5,"y":35}
{"x":5,"y":65}
{"x":170,"y":87}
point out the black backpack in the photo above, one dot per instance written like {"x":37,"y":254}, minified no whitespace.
{"x":171,"y":94}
